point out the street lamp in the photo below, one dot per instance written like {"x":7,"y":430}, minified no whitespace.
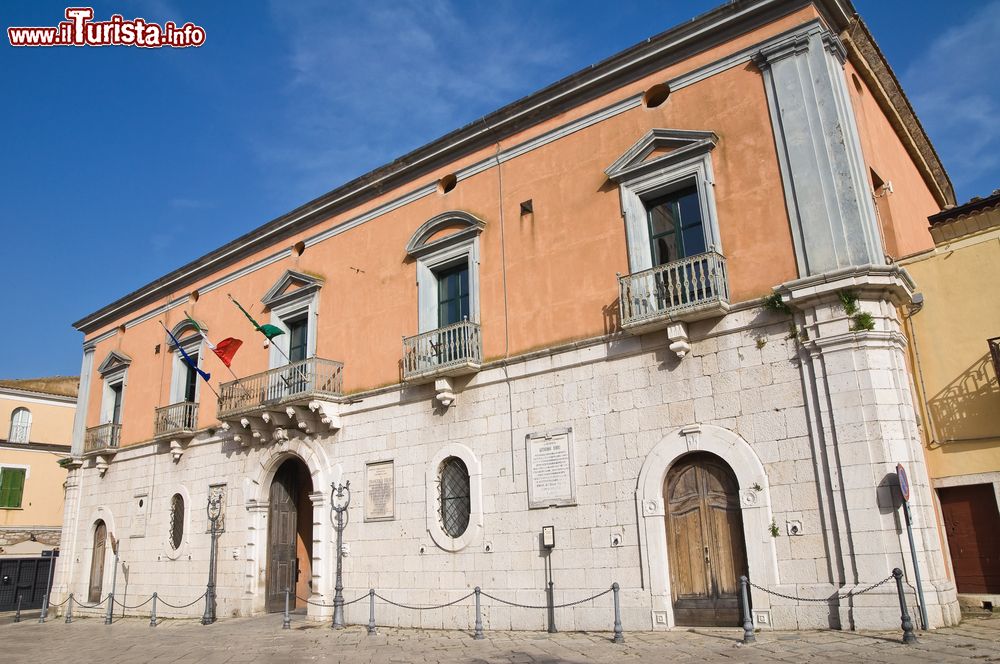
{"x":214,"y":509}
{"x":340,"y":498}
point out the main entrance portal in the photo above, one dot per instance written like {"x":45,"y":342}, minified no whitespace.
{"x":289,"y":535}
{"x":704,"y":540}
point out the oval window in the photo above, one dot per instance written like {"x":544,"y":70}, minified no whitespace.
{"x":456,"y":505}
{"x":176,"y":521}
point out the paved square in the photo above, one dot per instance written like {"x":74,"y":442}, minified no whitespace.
{"x":244,"y":640}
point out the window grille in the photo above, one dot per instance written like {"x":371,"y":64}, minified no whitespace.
{"x":176,"y":521}
{"x":20,"y":425}
{"x":456,"y":505}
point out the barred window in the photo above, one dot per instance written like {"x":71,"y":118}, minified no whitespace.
{"x":456,"y":505}
{"x":20,"y":425}
{"x":176,"y":521}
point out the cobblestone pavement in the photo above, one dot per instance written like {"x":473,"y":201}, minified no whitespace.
{"x":245,"y":640}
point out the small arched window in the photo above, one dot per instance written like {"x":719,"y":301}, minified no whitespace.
{"x":20,"y":425}
{"x":456,"y":505}
{"x":176,"y":521}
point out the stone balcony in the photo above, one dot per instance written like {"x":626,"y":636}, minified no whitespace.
{"x":104,"y":439}
{"x":673,"y":294}
{"x":443,"y":354}
{"x":177,"y":423}
{"x":302,"y":396}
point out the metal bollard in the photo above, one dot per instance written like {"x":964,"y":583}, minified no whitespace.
{"x":371,"y":612}
{"x":478,"y":636}
{"x":69,"y":609}
{"x":152,"y":613}
{"x":287,"y":622}
{"x":748,"y":635}
{"x":619,"y":637}
{"x":109,"y":616}
{"x":552,"y":608}
{"x":907,"y":623}
{"x":45,"y":609}
{"x":17,"y":615}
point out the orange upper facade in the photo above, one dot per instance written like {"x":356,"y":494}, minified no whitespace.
{"x":529,"y":193}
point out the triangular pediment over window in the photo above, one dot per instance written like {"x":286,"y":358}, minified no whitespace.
{"x":292,"y":285}
{"x":660,"y":148}
{"x":115,"y":361}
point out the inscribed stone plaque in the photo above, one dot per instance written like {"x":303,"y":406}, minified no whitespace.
{"x":380,"y":495}
{"x":551,"y":471}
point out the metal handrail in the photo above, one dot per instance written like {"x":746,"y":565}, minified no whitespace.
{"x":445,"y":348}
{"x":104,"y":437}
{"x":675,"y":287}
{"x":176,"y":417}
{"x":299,"y":380}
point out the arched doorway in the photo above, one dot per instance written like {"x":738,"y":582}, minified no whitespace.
{"x":289,"y":535}
{"x":97,"y":562}
{"x":705,"y":541}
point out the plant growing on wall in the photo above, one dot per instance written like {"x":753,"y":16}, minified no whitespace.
{"x":860,"y":320}
{"x":773,"y":528}
{"x":773,"y":302}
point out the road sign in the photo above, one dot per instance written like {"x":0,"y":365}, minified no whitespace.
{"x":904,"y":482}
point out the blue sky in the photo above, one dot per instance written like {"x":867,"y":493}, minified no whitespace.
{"x":120,"y":164}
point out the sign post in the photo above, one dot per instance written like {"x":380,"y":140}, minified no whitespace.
{"x":904,"y":492}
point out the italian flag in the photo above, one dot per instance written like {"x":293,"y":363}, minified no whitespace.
{"x":225,"y":349}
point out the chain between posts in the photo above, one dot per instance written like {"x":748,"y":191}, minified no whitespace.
{"x":847,"y":595}
{"x":137,"y":606}
{"x":330,"y":606}
{"x":423,"y":608}
{"x":545,"y":606}
{"x":181,"y":606}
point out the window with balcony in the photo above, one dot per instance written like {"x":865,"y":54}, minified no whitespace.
{"x":114,"y":377}
{"x":20,"y":426}
{"x":446,"y":251}
{"x":180,"y":416}
{"x":677,"y":271}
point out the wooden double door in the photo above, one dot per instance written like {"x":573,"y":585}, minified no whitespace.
{"x":972,"y":522}
{"x":705,"y":542}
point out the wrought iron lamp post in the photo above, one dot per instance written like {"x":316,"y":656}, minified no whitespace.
{"x":214,"y":509}
{"x":340,"y":498}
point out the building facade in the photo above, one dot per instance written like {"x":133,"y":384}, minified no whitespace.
{"x":36,"y":418}
{"x":552,"y":317}
{"x":958,"y":389}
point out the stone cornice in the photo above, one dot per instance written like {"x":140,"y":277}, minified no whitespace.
{"x":890,"y":281}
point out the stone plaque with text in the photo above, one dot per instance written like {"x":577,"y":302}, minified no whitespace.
{"x":551,"y":469}
{"x":380,"y":495}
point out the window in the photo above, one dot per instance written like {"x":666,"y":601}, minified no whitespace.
{"x":453,"y":294}
{"x":20,"y":425}
{"x":456,"y":504}
{"x":176,"y":521}
{"x":675,"y":227}
{"x":11,"y":487}
{"x":114,"y":372}
{"x":184,"y":385}
{"x":298,"y":335}
{"x":666,"y":185}
{"x":294,"y":304}
{"x":116,"y":408}
{"x":446,"y":249}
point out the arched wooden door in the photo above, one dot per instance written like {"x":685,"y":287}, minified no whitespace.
{"x":704,"y":540}
{"x":282,"y":520}
{"x":97,"y":563}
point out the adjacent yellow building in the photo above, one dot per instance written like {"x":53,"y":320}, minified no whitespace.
{"x":36,"y":425}
{"x":955,"y":350}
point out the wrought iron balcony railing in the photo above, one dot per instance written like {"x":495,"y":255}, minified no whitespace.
{"x":104,"y":437}
{"x":450,"y":350}
{"x":176,"y":419}
{"x":684,"y":288}
{"x":306,"y":379}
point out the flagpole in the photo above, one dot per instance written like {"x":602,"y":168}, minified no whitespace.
{"x":196,"y":366}
{"x":260,"y":328}
{"x":239,"y":382}
{"x":269,"y":340}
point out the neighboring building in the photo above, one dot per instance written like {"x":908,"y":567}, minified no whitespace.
{"x":955,"y":348}
{"x":675,"y":432}
{"x":36,"y":421}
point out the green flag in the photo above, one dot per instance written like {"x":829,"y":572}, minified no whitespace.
{"x":269,"y":331}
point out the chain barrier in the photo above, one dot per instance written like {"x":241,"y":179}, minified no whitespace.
{"x":330,"y":606}
{"x":53,"y":604}
{"x":137,"y":606}
{"x":181,"y":606}
{"x":89,"y":606}
{"x":422,"y":608}
{"x":546,"y":606}
{"x":847,"y":595}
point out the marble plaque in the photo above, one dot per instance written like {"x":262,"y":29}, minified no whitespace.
{"x":551,"y":471}
{"x":380,"y":494}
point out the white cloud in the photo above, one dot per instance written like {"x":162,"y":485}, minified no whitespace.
{"x":371,"y":82}
{"x":954,"y":88}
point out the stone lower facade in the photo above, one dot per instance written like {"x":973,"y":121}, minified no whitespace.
{"x":811,"y":416}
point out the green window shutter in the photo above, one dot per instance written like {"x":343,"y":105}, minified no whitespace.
{"x":11,"y":486}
